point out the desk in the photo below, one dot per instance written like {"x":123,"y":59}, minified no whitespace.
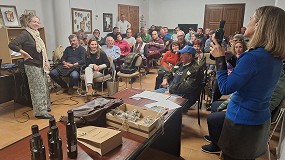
{"x":14,"y":86}
{"x":6,"y":86}
{"x":133,"y":145}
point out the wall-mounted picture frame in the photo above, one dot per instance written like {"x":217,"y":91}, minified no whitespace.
{"x":10,"y":16}
{"x":107,"y":22}
{"x":81,"y":19}
{"x":32,"y":12}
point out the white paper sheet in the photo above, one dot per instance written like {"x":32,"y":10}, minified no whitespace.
{"x":164,"y":103}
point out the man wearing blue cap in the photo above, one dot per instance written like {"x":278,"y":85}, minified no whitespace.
{"x":185,"y":78}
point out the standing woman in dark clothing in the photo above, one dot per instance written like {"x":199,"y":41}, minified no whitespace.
{"x":246,"y":126}
{"x":32,"y":48}
{"x":96,"y":61}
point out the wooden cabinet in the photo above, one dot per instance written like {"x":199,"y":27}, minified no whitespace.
{"x":7,"y":34}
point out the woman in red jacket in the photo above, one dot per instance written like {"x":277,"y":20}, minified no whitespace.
{"x":170,"y":59}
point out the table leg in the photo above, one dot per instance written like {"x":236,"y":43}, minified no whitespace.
{"x":170,"y":141}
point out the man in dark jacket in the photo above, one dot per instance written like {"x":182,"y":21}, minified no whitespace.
{"x":73,"y":57}
{"x":185,"y":78}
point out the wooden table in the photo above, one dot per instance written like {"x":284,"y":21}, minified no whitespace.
{"x":133,"y":145}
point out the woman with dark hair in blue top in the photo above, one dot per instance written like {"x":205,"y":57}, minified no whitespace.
{"x":245,"y":130}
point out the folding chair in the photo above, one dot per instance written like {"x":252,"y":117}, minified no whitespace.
{"x":277,"y":116}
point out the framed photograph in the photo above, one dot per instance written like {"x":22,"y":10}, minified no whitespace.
{"x":107,"y":22}
{"x":32,"y":12}
{"x":81,"y":19}
{"x":10,"y":16}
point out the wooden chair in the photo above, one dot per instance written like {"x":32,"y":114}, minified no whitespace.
{"x":276,"y":117}
{"x":137,"y":73}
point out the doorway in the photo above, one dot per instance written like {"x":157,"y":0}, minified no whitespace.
{"x":233,"y":14}
{"x":132,"y":15}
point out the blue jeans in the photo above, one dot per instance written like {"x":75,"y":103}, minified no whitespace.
{"x":161,"y":90}
{"x":73,"y":78}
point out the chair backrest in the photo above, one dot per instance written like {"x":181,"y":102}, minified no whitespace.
{"x":208,"y":60}
{"x":111,"y":61}
{"x":275,"y":113}
{"x":138,"y":62}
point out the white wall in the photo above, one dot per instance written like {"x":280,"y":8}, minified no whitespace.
{"x":280,"y":3}
{"x":171,"y":13}
{"x":55,"y":15}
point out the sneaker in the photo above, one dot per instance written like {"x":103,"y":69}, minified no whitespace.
{"x":44,"y":116}
{"x":63,"y":90}
{"x":70,"y":91}
{"x":211,"y":148}
{"x":207,"y":138}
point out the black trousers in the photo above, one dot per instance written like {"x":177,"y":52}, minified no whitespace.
{"x":226,"y":157}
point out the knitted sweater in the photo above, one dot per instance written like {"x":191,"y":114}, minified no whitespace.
{"x":124,"y":47}
{"x":252,"y":83}
{"x":170,"y":59}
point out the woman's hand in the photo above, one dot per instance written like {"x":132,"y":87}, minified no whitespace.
{"x":96,"y":68}
{"x":25,"y":55}
{"x":216,"y":49}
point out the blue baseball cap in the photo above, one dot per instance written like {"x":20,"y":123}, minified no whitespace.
{"x":188,"y":49}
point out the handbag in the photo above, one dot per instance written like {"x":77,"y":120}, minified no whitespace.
{"x":63,"y":71}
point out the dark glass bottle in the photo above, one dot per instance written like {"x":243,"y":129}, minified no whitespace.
{"x":71,"y":136}
{"x":51,"y":123}
{"x":38,"y":151}
{"x":35,"y":130}
{"x":55,"y":145}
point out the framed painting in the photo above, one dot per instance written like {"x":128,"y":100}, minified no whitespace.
{"x":81,"y":20}
{"x":10,"y":16}
{"x":32,"y":12}
{"x":107,"y":22}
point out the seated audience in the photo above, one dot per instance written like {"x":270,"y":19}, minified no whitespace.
{"x":96,"y":62}
{"x":199,"y":56}
{"x":155,"y":47}
{"x":130,"y":39}
{"x":174,"y":35}
{"x":140,"y":47}
{"x":200,"y":35}
{"x":114,"y":33}
{"x":181,"y":39}
{"x":113,"y":51}
{"x":123,"y":45}
{"x":151,"y":29}
{"x":166,"y":32}
{"x":97,"y":37}
{"x":192,"y":39}
{"x":80,"y":35}
{"x":73,"y":57}
{"x":170,"y":59}
{"x":85,"y":41}
{"x":207,"y":31}
{"x":165,"y":39}
{"x":184,"y":79}
{"x":145,"y":36}
{"x":188,"y":35}
{"x":208,"y":42}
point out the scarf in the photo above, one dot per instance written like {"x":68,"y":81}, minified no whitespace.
{"x":40,"y":46}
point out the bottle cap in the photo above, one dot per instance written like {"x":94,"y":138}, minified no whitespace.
{"x":70,"y":116}
{"x":35,"y":129}
{"x":51,"y":122}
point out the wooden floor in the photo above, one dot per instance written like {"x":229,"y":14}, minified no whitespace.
{"x":16,"y":121}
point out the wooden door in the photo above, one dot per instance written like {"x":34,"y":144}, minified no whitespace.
{"x":233,"y":14}
{"x":132,"y":15}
